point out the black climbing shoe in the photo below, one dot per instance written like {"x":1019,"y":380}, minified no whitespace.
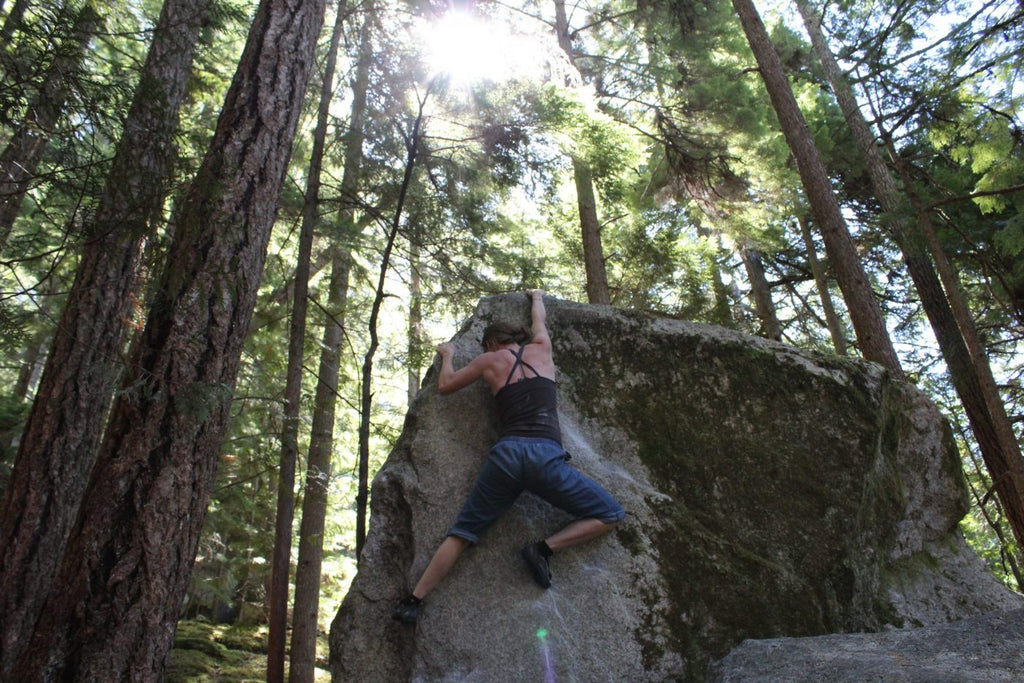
{"x":406,"y":610}
{"x":538,"y":563}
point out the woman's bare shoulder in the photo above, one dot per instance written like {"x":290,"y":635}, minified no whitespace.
{"x":539,"y":356}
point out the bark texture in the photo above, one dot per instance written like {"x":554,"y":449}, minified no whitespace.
{"x":761,"y":293}
{"x":127,"y":565}
{"x":590,"y":227}
{"x":412,"y":144}
{"x":586,"y":198}
{"x":306,"y":613}
{"x":282,"y":553}
{"x":66,"y":422}
{"x":968,"y":365}
{"x":865,"y":314}
{"x":835,"y":327}
{"x":20,"y":159}
{"x":302,"y":664}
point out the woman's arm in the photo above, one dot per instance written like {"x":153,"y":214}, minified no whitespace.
{"x":539,"y":317}
{"x":449,"y":379}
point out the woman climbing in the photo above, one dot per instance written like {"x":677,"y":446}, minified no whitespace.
{"x":518,"y":366}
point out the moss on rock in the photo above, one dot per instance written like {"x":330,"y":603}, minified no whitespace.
{"x":770,"y":492}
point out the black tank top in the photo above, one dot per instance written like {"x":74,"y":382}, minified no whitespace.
{"x":528,"y":407}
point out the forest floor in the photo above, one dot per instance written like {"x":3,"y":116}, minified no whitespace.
{"x":205,"y":652}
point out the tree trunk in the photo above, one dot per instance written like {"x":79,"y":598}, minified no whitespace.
{"x":969,"y":369}
{"x":302,"y":666}
{"x":997,"y":439}
{"x":31,"y":364}
{"x":305,"y":615}
{"x":415,"y":324}
{"x":12,"y":22}
{"x":721,"y":307}
{"x":586,"y":199}
{"x":281,"y":564}
{"x":975,"y":347}
{"x":593,"y":251}
{"x":321,"y":444}
{"x":865,"y":314}
{"x":20,"y":159}
{"x":1010,"y":446}
{"x":1002,"y":456}
{"x":65,"y":425}
{"x":835,"y":327}
{"x":126,"y":567}
{"x":363,"y":493}
{"x":761,"y":293}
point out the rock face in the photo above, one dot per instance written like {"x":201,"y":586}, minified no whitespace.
{"x":984,"y":649}
{"x":770,"y":493}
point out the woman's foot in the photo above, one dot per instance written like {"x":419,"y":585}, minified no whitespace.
{"x":536,"y":556}
{"x":407,"y":610}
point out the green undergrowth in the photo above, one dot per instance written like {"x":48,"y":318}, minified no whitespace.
{"x":205,"y":652}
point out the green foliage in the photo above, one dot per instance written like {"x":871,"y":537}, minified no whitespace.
{"x":987,"y":146}
{"x":688,"y":162}
{"x":589,"y":135}
{"x":12,"y":411}
{"x":997,"y":552}
{"x":985,"y":527}
{"x":204,"y":652}
{"x":1010,"y":238}
{"x":12,"y":328}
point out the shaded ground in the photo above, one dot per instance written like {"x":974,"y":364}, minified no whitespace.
{"x":217,"y":652}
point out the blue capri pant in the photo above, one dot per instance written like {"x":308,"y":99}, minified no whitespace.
{"x":540,"y":466}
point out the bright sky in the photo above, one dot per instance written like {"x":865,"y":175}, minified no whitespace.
{"x":468,"y":48}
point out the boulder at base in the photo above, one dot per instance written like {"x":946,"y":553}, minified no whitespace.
{"x":985,"y":649}
{"x":771,"y":492}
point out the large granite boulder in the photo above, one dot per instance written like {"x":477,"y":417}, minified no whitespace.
{"x":771,"y":492}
